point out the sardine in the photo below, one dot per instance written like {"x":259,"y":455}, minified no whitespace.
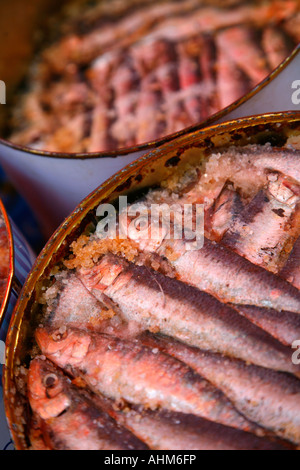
{"x":99,"y":75}
{"x":163,"y":430}
{"x":208,"y":19}
{"x":218,"y":271}
{"x":70,"y":419}
{"x":125,"y":81}
{"x":76,"y":48}
{"x":189,"y":77}
{"x":99,"y":138}
{"x":127,"y":370}
{"x":147,"y":111}
{"x":292,"y":27}
{"x":160,"y":61}
{"x":284,"y":326}
{"x":223,"y":213}
{"x":176,"y":116}
{"x":247,"y":168}
{"x":36,"y":436}
{"x":266,"y":230}
{"x":269,"y":398}
{"x":285,"y":161}
{"x":35,"y":104}
{"x":207,"y":62}
{"x":239,"y":42}
{"x":149,"y":117}
{"x":153,"y":58}
{"x":208,"y":268}
{"x":69,"y":302}
{"x":275,"y":45}
{"x":176,"y":309}
{"x":68,"y":135}
{"x":232,"y":83}
{"x":233,"y":279}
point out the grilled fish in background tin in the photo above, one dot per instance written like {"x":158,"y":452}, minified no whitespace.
{"x":116,"y":76}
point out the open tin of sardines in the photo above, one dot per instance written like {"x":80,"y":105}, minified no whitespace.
{"x":91,"y":86}
{"x":172,"y":331}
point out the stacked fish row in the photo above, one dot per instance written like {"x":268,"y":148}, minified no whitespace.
{"x":148,"y":344}
{"x":113,"y":83}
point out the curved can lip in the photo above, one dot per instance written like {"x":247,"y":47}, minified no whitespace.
{"x":64,"y":234}
{"x":157,"y":143}
{"x":10,"y":276}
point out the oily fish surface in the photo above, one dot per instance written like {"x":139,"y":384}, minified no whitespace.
{"x":180,"y":348}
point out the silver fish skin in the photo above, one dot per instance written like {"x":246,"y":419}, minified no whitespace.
{"x":231,"y":278}
{"x":232,"y":83}
{"x":285,"y":161}
{"x":266,"y":230}
{"x":284,"y":326}
{"x":275,"y":45}
{"x":162,"y":304}
{"x":164,"y":430}
{"x":70,"y":302}
{"x":214,"y":268}
{"x":129,"y":371}
{"x":223,"y":213}
{"x":267,"y":397}
{"x":242,"y":49}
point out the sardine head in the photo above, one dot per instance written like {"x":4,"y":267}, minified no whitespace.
{"x":66,"y":346}
{"x":46,"y":389}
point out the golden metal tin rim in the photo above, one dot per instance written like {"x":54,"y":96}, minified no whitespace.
{"x":157,"y":143}
{"x":8,"y":287}
{"x":55,"y":243}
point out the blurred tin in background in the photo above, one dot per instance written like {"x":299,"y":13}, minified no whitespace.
{"x":16,"y":259}
{"x":118,"y":79}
